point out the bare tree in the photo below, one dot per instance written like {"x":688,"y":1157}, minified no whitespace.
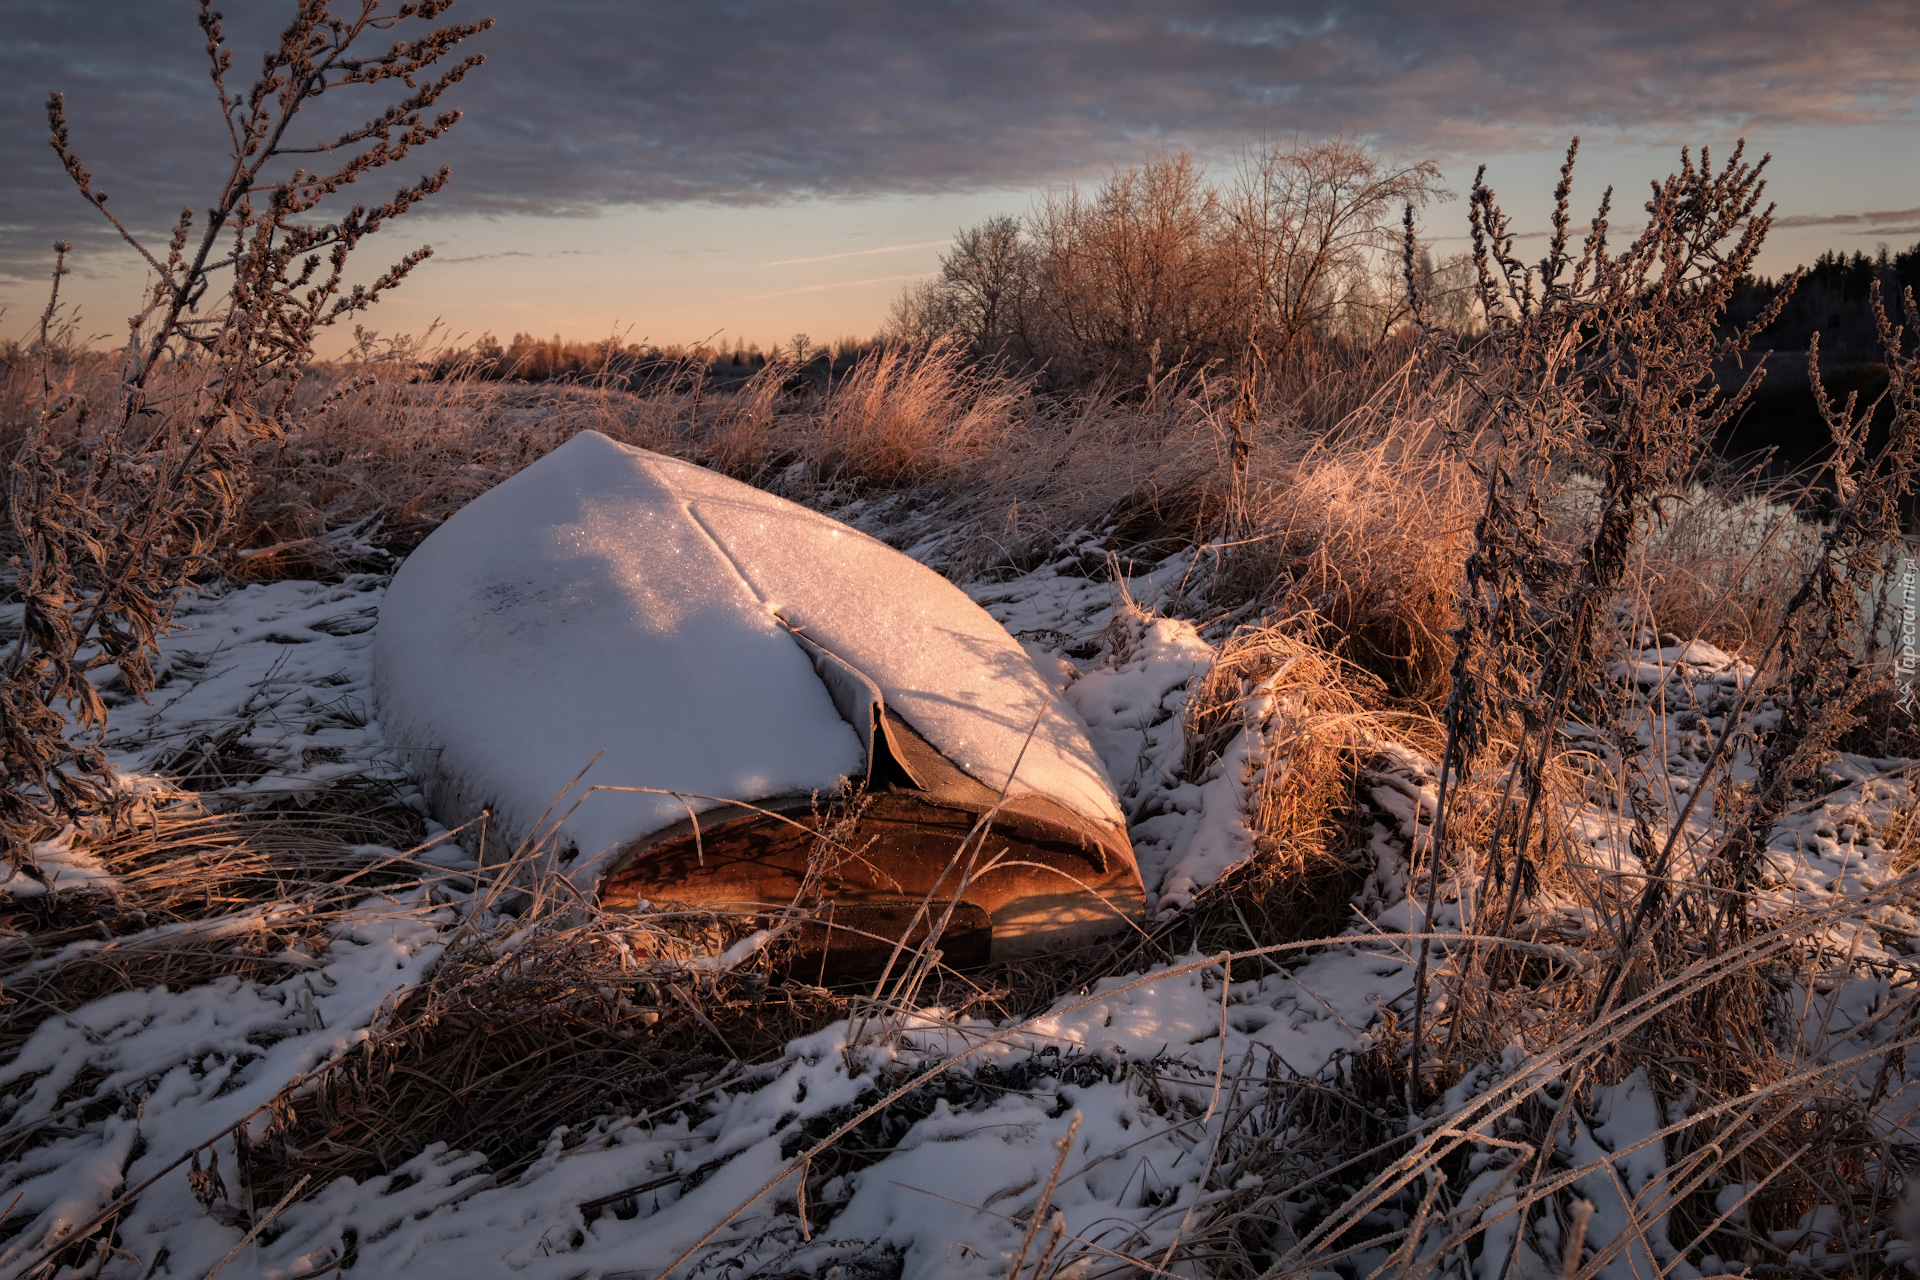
{"x":1133,"y":277}
{"x":984,"y":276}
{"x":924,"y":311}
{"x":1315,"y":225}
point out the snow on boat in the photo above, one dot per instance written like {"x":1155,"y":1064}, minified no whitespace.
{"x":741,"y":658}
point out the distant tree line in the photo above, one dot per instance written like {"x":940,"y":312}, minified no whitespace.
{"x":1832,"y":300}
{"x":633,"y":366}
{"x":531,"y":359}
{"x":1782,"y":422}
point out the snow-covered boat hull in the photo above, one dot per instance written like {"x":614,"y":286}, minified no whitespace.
{"x":728,"y":662}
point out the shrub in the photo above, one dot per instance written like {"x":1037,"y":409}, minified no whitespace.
{"x":1158,"y":270}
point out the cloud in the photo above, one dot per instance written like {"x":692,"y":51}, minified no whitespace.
{"x":1517,"y":236}
{"x":486,"y":257}
{"x":1849,"y":219}
{"x":590,"y":104}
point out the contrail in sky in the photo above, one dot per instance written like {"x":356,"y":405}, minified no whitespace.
{"x":857,"y":253}
{"x":841,"y":284}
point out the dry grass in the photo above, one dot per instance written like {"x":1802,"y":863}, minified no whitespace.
{"x":1310,"y":1177}
{"x":1347,"y":536}
{"x":527,"y":1028}
{"x":178,"y":857}
{"x":1364,"y":531}
{"x":197,"y":892}
{"x":1717,"y":561}
{"x":1311,"y":722}
{"x":392,"y":455}
{"x":906,"y":417}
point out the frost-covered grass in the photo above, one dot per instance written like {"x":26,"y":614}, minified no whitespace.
{"x":404,"y":1065}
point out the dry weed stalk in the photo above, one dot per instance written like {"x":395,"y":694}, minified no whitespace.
{"x":1602,"y":363}
{"x":1813,"y":674}
{"x":117,"y":505}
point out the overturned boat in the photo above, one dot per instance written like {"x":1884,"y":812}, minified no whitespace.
{"x":728,"y":662}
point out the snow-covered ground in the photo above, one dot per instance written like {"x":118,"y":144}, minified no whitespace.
{"x":1142,"y":1070}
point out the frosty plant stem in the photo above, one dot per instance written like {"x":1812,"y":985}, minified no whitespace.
{"x":1065,"y":1147}
{"x":265,"y":1221}
{"x":1602,"y":363}
{"x":114,"y":529}
{"x":1906,"y":653}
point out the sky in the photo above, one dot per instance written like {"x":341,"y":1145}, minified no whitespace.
{"x":676,"y":172}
